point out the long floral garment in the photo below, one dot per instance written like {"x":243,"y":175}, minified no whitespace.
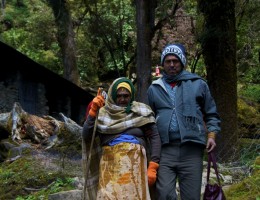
{"x":123,"y":173}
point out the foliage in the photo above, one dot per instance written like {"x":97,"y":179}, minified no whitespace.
{"x":108,"y":36}
{"x":256,"y":166}
{"x":251,"y":91}
{"x":26,"y":172}
{"x":190,"y":7}
{"x":249,"y":152}
{"x":247,"y":109}
{"x":248,"y":118}
{"x":106,"y":40}
{"x":32,"y":32}
{"x":249,"y":123}
{"x":248,"y":42}
{"x":105,"y":35}
{"x":60,"y":184}
{"x":247,"y":189}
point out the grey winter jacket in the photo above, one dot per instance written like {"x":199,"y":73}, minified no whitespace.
{"x":206,"y":117}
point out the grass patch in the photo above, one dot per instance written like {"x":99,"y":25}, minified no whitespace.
{"x":26,"y":179}
{"x":248,"y":189}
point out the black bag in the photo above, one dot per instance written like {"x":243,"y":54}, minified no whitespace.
{"x":213,"y":191}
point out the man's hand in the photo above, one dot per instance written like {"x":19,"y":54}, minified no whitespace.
{"x":211,"y":144}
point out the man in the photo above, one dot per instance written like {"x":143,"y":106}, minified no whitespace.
{"x":186,"y":115}
{"x":123,"y":126}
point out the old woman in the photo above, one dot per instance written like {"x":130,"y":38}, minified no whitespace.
{"x":127,"y":132}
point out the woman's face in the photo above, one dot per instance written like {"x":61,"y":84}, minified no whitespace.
{"x":123,"y":96}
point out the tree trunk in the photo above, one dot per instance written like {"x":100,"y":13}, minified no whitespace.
{"x":66,"y":39}
{"x":218,"y":42}
{"x":145,"y":21}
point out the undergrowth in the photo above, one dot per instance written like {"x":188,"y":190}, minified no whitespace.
{"x":26,"y":179}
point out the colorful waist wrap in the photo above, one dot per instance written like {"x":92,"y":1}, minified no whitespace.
{"x":123,"y":173}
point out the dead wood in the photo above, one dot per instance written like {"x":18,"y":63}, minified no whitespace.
{"x":22,"y":125}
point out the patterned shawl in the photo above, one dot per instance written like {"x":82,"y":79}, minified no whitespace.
{"x":114,"y":119}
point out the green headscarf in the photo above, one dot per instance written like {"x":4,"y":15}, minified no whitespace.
{"x":114,"y":91}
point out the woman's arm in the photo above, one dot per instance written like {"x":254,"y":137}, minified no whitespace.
{"x":88,"y":127}
{"x":151,"y":132}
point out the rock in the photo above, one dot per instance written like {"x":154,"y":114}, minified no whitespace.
{"x":66,"y":195}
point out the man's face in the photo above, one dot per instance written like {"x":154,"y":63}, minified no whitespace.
{"x":172,"y":65}
{"x":123,"y":97}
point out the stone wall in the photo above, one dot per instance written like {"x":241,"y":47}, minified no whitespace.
{"x":8,"y":94}
{"x":12,"y":90}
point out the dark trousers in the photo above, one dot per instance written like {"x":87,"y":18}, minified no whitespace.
{"x":182,"y":163}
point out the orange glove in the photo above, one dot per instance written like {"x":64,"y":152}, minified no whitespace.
{"x":152,"y":172}
{"x":97,"y":103}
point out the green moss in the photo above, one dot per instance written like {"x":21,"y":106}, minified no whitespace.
{"x":257,"y":161}
{"x":248,"y":118}
{"x":18,"y":177}
{"x":248,"y":189}
{"x":247,"y":110}
{"x":256,"y":166}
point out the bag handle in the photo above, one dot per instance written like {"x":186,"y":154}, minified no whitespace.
{"x":212,"y":158}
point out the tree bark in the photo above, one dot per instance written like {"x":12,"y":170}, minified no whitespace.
{"x":66,"y":39}
{"x":218,"y":42}
{"x":145,"y":21}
